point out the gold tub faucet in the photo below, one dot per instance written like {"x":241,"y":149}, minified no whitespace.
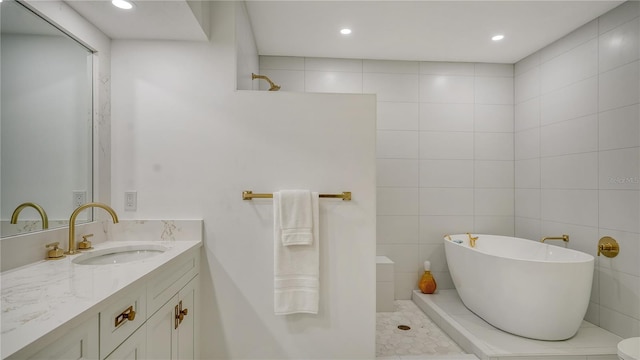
{"x":72,"y":223}
{"x":43,"y":214}
{"x":564,"y":238}
{"x":472,"y":240}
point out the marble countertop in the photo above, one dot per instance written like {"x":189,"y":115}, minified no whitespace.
{"x":40,"y":297}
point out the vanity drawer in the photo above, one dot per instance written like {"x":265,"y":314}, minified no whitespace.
{"x":167,"y":283}
{"x":121,"y":318}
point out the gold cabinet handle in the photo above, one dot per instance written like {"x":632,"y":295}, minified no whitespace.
{"x":128,"y":314}
{"x":180,"y":313}
{"x":176,"y":321}
{"x":183,"y":313}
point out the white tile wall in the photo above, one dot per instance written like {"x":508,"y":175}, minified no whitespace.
{"x":570,"y":41}
{"x":397,"y":201}
{"x":446,"y":173}
{"x":572,"y":101}
{"x":493,"y":174}
{"x":529,"y":204}
{"x":394,"y":67}
{"x":619,"y":169}
{"x":333,"y":82}
{"x":446,"y":117}
{"x":432,"y":228}
{"x":527,"y":144}
{"x":392,"y":87}
{"x":527,"y":173}
{"x":527,"y":114}
{"x":445,"y":150}
{"x":619,"y":46}
{"x":397,"y":173}
{"x":493,"y":90}
{"x":619,"y":87}
{"x":397,"y":144}
{"x":618,"y":16}
{"x":447,"y":89}
{"x":570,"y":137}
{"x":493,"y":146}
{"x":493,"y":118}
{"x":447,"y":68}
{"x":570,"y":67}
{"x":398,"y":229}
{"x":577,"y":150}
{"x":446,"y":145}
{"x":398,"y":116}
{"x":576,"y":171}
{"x":627,"y":260}
{"x":619,"y":128}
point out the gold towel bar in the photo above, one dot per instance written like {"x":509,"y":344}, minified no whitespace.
{"x":248,"y":195}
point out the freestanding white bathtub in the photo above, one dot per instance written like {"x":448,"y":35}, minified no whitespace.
{"x":524,"y":287}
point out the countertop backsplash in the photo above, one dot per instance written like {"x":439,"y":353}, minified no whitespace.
{"x":155,"y":230}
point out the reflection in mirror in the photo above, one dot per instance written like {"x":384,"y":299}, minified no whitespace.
{"x":45,"y":124}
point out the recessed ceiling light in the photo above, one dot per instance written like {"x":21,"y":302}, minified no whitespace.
{"x":345,"y":31}
{"x":122,"y":4}
{"x":497,"y":37}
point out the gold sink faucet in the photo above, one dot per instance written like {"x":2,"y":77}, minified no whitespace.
{"x":72,"y":222}
{"x":43,"y":214}
{"x":472,"y":240}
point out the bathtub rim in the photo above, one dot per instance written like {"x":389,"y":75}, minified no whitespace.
{"x":465,"y":243}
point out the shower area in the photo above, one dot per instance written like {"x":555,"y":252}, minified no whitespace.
{"x":548,"y":145}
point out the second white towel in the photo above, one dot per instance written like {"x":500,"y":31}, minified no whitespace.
{"x":296,"y":268}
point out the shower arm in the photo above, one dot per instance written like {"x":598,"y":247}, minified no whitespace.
{"x":273,"y":87}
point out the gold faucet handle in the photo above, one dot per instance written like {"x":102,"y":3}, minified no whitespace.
{"x":55,"y":253}
{"x":85,"y":244}
{"x":608,"y":247}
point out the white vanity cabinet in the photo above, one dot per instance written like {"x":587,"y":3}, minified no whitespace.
{"x":134,"y":348}
{"x":164,"y":327}
{"x":79,"y":343}
{"x":121,"y":318}
{"x":171,"y":330}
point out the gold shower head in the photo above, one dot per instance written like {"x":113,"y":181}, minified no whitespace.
{"x":273,"y":87}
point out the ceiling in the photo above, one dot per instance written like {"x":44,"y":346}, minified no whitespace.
{"x":417,"y":30}
{"x":393,"y":30}
{"x":148,"y":20}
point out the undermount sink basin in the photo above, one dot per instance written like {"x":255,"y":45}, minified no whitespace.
{"x":119,"y":255}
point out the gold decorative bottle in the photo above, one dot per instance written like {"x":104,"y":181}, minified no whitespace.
{"x":427,"y":283}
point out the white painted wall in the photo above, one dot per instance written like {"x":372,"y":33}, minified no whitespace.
{"x":189,"y":144}
{"x":444,"y":150}
{"x":577,"y":154}
{"x":246,"y":50}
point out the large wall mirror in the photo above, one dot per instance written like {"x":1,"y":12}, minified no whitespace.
{"x":46,"y":122}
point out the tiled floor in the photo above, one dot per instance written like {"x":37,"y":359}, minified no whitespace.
{"x":476,"y":336}
{"x":423,"y":341}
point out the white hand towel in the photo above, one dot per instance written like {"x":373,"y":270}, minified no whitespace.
{"x":296,"y":217}
{"x":296,"y":268}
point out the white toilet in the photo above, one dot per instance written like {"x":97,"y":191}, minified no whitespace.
{"x":629,"y":349}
